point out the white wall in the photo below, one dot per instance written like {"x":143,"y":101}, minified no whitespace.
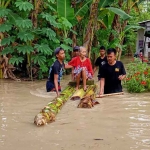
{"x":140,"y":37}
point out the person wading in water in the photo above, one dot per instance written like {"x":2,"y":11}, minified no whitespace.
{"x":111,"y":74}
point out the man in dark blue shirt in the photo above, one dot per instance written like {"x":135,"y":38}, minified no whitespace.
{"x":56,"y":71}
{"x":111,"y":74}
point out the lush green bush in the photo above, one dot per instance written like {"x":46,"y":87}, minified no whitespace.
{"x":138,"y":76}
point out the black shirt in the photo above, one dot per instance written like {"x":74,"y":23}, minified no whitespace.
{"x":56,"y":68}
{"x":100,"y":62}
{"x":111,"y":74}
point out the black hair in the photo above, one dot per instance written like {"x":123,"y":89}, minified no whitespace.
{"x":111,"y":50}
{"x":102,"y":47}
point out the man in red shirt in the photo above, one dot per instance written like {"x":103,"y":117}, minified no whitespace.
{"x":82,"y":67}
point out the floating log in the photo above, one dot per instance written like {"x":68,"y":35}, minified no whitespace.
{"x":88,"y":100}
{"x":88,"y":82}
{"x":49,"y":112}
{"x":78,"y":94}
{"x":112,"y":94}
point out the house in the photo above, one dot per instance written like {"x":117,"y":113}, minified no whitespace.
{"x":143,"y":39}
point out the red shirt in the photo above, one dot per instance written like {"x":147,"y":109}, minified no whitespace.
{"x":76,"y":62}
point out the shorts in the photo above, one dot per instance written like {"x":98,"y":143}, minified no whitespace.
{"x":78,"y":71}
{"x":50,"y":87}
{"x":99,"y":78}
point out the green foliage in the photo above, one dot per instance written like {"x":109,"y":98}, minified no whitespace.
{"x":25,"y":36}
{"x":44,"y":68}
{"x":25,"y":49}
{"x":8,"y":41}
{"x":65,"y":24}
{"x":49,"y":33}
{"x":64,"y":10}
{"x":43,"y":48}
{"x":105,"y":3}
{"x":24,"y":23}
{"x":39,"y":59}
{"x":5,"y":27}
{"x":81,"y":11}
{"x":68,"y":41}
{"x":120,"y":12}
{"x":51,"y":19}
{"x":23,"y":5}
{"x":138,"y":76}
{"x":16,"y":60}
{"x":7,"y":50}
{"x":55,"y":21}
{"x":4,"y":12}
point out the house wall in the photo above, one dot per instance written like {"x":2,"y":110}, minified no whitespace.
{"x":147,"y":43}
{"x":140,"y":40}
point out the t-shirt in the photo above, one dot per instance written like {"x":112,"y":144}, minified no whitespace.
{"x":100,"y":62}
{"x":76,"y":62}
{"x":56,"y":68}
{"x":111,"y":74}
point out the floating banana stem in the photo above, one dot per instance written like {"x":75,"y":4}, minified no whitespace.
{"x":49,"y":112}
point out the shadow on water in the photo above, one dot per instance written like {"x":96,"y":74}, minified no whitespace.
{"x":122,"y":122}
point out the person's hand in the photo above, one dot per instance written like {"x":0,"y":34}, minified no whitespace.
{"x":121,"y":77}
{"x":58,"y":94}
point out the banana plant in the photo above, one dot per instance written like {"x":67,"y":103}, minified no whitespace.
{"x":26,"y":38}
{"x":100,"y":12}
{"x":118,"y":24}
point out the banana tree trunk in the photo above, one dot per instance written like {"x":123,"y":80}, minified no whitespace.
{"x":37,"y":4}
{"x":29,"y":66}
{"x":74,"y":38}
{"x":122,"y":39}
{"x":88,"y":38}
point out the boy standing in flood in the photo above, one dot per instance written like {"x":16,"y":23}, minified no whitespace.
{"x":101,"y":60}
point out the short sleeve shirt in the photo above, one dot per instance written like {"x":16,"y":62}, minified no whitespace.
{"x":111,"y":74}
{"x":100,"y":62}
{"x":56,"y":68}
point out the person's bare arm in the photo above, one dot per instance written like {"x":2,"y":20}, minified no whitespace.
{"x":102,"y":83}
{"x":68,"y":66}
{"x":56,"y":83}
{"x":95,"y":68}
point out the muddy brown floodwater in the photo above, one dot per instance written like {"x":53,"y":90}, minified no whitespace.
{"x":119,"y":123}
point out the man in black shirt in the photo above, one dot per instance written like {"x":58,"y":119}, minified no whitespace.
{"x":100,"y":61}
{"x":111,"y":74}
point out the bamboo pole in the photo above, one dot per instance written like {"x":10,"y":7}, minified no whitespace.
{"x":112,"y":94}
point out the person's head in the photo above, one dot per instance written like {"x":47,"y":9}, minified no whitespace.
{"x":59,"y":53}
{"x":111,"y":55}
{"x":76,"y":51}
{"x":102,"y":51}
{"x":82,"y":51}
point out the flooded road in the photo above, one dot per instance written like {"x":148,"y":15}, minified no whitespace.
{"x":120,"y":122}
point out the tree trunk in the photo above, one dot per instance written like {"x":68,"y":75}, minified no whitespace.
{"x":74,"y":38}
{"x":117,"y":27}
{"x":88,"y":38}
{"x":122,"y":39}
